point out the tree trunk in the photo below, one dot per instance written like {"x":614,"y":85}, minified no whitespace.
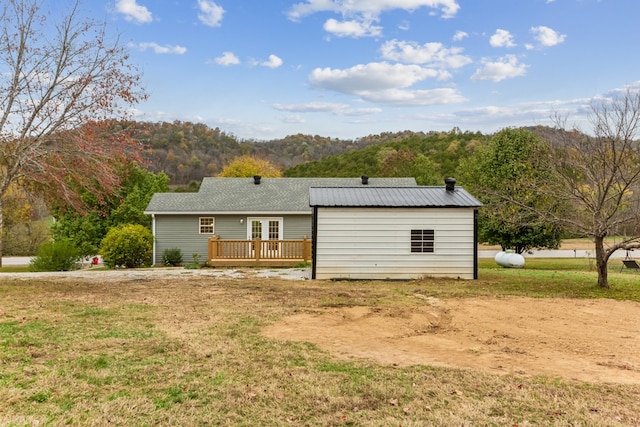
{"x":601,"y":263}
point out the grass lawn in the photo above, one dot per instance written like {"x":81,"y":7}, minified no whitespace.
{"x":189,"y":351}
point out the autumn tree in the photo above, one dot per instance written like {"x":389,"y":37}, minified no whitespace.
{"x":125,"y":206}
{"x":61,"y":80}
{"x":24,"y":226}
{"x":248,"y":166}
{"x":505,"y":175}
{"x":598,"y":175}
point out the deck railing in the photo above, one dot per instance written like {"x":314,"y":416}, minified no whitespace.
{"x":258,"y":252}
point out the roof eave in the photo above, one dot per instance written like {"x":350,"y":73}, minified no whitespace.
{"x":244,"y":213}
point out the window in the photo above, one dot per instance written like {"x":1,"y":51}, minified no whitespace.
{"x":206,"y":225}
{"x":422,"y":240}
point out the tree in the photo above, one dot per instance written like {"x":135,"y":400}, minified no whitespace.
{"x":396,"y":163}
{"x":247,"y":166}
{"x":425,"y":171}
{"x":61,"y":83}
{"x":24,"y":226}
{"x":599,"y":177}
{"x":126,"y":206}
{"x":505,"y":175}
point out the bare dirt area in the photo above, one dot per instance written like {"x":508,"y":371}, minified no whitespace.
{"x":585,"y":340}
{"x":575,"y":339}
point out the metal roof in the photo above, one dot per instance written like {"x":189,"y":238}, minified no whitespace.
{"x":242,"y":195}
{"x":416,"y":197}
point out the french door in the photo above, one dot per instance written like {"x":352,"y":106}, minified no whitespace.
{"x":267,"y":229}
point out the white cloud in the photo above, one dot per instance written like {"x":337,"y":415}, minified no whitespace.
{"x":327,"y":107}
{"x":227,"y":58}
{"x":375,"y":76}
{"x":210,"y":13}
{"x":358,"y":112}
{"x":134,"y":12}
{"x":359,"y":15}
{"x":371,"y":8}
{"x":295,"y":120}
{"x":177,"y":50}
{"x":312,"y":107}
{"x":502,"y":38}
{"x":416,"y":98}
{"x":459,"y":35}
{"x":352,"y":28}
{"x":505,"y":68}
{"x":272,"y":62}
{"x":547,"y":37}
{"x":435,"y":54}
{"x":381,"y":82}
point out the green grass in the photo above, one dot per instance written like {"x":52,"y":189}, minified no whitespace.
{"x":557,"y":277}
{"x":14,"y":269}
{"x":190,"y":352}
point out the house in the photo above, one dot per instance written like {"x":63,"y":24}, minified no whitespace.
{"x":394,"y":232}
{"x":244,"y":221}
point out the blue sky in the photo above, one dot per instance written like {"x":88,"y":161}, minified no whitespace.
{"x":264,"y":69}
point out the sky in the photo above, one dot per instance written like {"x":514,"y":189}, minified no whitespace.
{"x":265,"y":69}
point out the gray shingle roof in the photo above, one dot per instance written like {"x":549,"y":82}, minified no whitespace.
{"x":420,"y":197}
{"x":241,"y":195}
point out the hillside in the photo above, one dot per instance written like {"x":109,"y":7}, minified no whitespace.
{"x":187,"y":152}
{"x":428,"y":158}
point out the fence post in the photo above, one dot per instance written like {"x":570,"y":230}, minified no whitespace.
{"x":257,"y":248}
{"x":214,"y":242}
{"x":306,"y":249}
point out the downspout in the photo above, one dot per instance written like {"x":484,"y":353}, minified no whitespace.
{"x":153,"y":232}
{"x":314,"y":241}
{"x":475,"y":244}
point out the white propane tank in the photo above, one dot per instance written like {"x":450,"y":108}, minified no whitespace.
{"x":509,"y":259}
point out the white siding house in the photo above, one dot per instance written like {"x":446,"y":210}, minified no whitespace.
{"x":394,"y":233}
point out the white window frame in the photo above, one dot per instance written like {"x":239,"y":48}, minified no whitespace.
{"x":201,"y":226}
{"x":265,"y":229}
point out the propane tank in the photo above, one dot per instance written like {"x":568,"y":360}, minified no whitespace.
{"x":509,"y":259}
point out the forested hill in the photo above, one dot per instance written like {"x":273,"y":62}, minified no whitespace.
{"x":428,"y":158}
{"x":187,"y":152}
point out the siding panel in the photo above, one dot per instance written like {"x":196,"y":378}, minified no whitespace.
{"x":374,"y":243}
{"x":182,"y":231}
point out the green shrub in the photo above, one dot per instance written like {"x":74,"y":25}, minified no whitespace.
{"x":172,"y":257}
{"x":196,"y":262}
{"x":127,"y":245}
{"x":60,"y":255}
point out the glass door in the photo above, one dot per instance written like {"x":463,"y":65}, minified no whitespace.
{"x":269,"y":230}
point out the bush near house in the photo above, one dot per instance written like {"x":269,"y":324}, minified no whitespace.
{"x":60,"y":255}
{"x":172,"y":257}
{"x":127,"y":245}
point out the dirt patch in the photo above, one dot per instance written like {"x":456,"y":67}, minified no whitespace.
{"x":585,"y":340}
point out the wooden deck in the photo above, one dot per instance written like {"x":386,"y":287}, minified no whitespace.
{"x":258,"y":253}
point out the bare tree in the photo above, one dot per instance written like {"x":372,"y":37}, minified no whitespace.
{"x":61,"y":81}
{"x":599,"y":177}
